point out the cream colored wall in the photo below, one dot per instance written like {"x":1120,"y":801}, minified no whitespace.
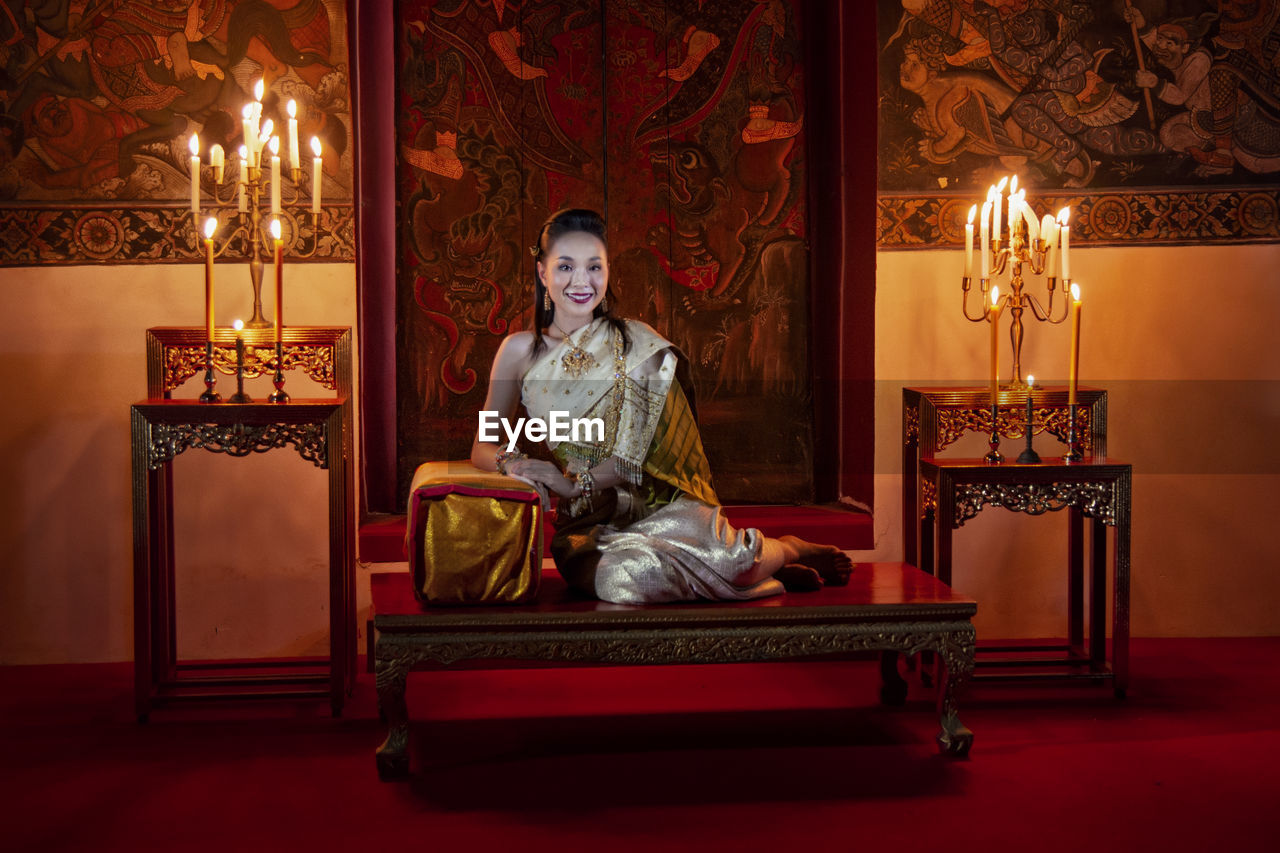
{"x":251,"y":534}
{"x":1184,"y":340}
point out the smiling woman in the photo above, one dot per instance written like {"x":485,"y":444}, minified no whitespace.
{"x":638,"y":519}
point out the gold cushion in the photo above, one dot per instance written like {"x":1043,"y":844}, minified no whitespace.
{"x":474,"y":537}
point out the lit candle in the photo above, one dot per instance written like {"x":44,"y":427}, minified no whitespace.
{"x":239,"y":327}
{"x":194,"y":146}
{"x":993,"y":316}
{"x":1029,"y":215}
{"x":242,"y":202}
{"x":1063,"y":218}
{"x":315,"y":175}
{"x":1048,"y":230}
{"x":259,"y":89}
{"x":984,"y":238}
{"x":998,"y":200}
{"x":1073,"y":368}
{"x":275,"y":235}
{"x":250,"y":133}
{"x":210,"y":226}
{"x":968,"y":243}
{"x":295,"y":161}
{"x":274,"y":145}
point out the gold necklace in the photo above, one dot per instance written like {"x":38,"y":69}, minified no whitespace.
{"x":576,"y":361}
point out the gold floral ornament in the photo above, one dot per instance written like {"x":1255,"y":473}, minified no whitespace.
{"x":577,"y":361}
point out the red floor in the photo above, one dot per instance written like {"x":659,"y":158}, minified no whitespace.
{"x":746,"y":757}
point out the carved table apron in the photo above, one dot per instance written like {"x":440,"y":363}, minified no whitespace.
{"x":887,"y":607}
{"x":1100,"y":489}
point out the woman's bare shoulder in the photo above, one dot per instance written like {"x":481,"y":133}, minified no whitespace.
{"x":514,"y":354}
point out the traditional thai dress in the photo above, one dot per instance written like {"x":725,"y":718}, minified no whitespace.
{"x":660,"y":535}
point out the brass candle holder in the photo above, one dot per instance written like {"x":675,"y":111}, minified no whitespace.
{"x":240,"y":396}
{"x":1074,"y":453}
{"x":1029,"y":456}
{"x":278,"y":395}
{"x":994,"y":457}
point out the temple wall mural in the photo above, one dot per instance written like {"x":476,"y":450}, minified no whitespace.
{"x":98,"y":99}
{"x":683,"y":122}
{"x":1156,"y":121}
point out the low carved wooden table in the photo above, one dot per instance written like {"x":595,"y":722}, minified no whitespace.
{"x":887,"y":607}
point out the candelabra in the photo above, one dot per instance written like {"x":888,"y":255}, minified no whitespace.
{"x":243,"y":202}
{"x":1043,"y":248}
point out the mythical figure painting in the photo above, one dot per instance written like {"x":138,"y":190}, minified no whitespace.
{"x":98,"y":99}
{"x":1159,"y":120}
{"x":682,"y":121}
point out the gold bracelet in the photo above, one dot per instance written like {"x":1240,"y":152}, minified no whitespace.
{"x":506,"y":457}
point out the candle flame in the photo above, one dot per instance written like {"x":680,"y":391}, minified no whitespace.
{"x":247,"y":112}
{"x":193,"y":144}
{"x":275,"y":230}
{"x":267,"y":127}
{"x":238,"y":325}
{"x":995,"y":294}
{"x":1064,"y":215}
{"x":259,"y":89}
{"x":315,"y":145}
{"x":1013,"y":185}
{"x":1000,"y":186}
{"x":210,"y":225}
{"x":274,"y":145}
{"x":1031,"y":380}
{"x":244,"y":153}
{"x":292,"y":108}
{"x":1075,"y":292}
{"x":973,"y":211}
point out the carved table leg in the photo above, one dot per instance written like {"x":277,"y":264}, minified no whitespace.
{"x":956,"y":659}
{"x":894,"y":689}
{"x":393,"y":756}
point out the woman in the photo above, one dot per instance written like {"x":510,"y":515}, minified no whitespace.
{"x":638,"y":519}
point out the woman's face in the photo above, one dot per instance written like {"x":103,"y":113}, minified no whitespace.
{"x":576,"y":274}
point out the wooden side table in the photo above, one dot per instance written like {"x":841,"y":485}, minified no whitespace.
{"x":1100,"y":489}
{"x":934,"y":418}
{"x":161,"y":430}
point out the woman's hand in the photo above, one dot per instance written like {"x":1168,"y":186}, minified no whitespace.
{"x":543,"y":476}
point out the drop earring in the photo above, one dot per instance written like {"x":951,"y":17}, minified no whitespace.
{"x":546,"y":300}
{"x":604,"y":303}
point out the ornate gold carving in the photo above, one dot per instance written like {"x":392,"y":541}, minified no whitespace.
{"x":166,"y":441}
{"x":183,"y":362}
{"x":911,"y":424}
{"x":928,"y":497}
{"x":955,"y":422}
{"x":1095,"y":500}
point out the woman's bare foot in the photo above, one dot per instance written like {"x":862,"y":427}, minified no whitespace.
{"x":828,"y":561}
{"x":796,"y":577}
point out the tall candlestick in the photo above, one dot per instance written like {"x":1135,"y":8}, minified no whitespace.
{"x":295,"y":161}
{"x":993,"y":316}
{"x":194,"y":146}
{"x":210,"y":225}
{"x":1073,"y":368}
{"x":1031,"y":381}
{"x":275,"y":235}
{"x":968,"y":243}
{"x":315,"y":175}
{"x":275,"y":175}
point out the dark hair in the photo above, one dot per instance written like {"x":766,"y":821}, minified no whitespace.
{"x":568,"y":221}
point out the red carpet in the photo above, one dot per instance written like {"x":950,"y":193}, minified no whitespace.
{"x":746,"y":757}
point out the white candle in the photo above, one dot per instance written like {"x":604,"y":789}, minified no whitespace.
{"x":250,"y":133}
{"x":315,"y":175}
{"x":295,"y":161}
{"x":1063,"y":218}
{"x":194,"y":146}
{"x":1048,"y":229}
{"x":275,"y":175}
{"x":218,"y":160}
{"x":993,"y":316}
{"x":998,"y":204}
{"x":984,"y":239}
{"x":242,"y":203}
{"x":210,"y":226}
{"x":1033,"y":227}
{"x":968,"y":243}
